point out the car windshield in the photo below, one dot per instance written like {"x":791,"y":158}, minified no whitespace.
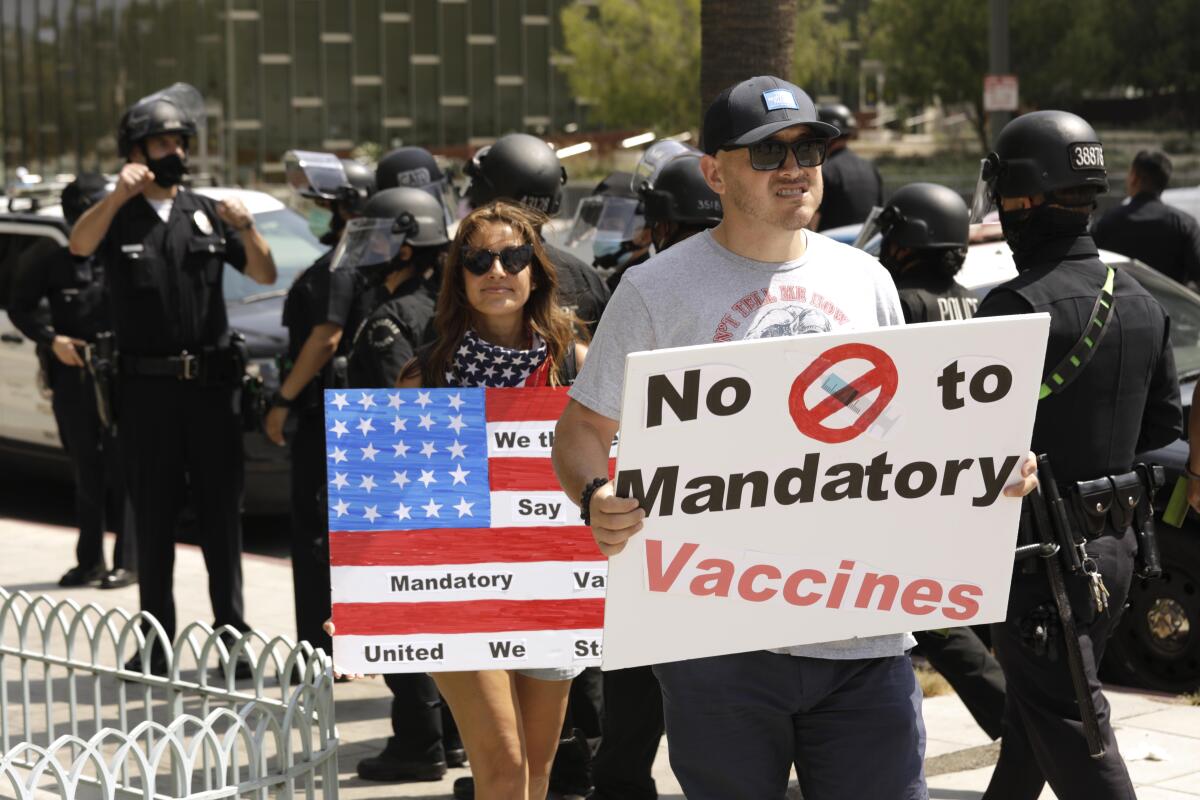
{"x":293,"y":246}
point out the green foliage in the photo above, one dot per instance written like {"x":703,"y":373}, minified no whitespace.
{"x":637,"y":60}
{"x":1060,"y":49}
{"x":818,"y":56}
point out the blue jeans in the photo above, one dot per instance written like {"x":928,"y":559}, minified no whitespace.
{"x":736,"y":724}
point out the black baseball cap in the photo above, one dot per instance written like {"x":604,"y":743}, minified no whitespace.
{"x":756,"y":108}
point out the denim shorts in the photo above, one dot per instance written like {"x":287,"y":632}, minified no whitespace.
{"x":551,"y":673}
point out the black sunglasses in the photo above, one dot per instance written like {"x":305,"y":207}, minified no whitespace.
{"x":478,"y":260}
{"x":770,"y":154}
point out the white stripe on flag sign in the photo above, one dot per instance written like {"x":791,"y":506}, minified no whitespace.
{"x":418,"y":491}
{"x":463,"y":651}
{"x":543,"y":580}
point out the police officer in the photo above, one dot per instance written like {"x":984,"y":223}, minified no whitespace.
{"x":400,"y":240}
{"x":393,"y":246}
{"x":678,"y":203}
{"x":164,"y":248}
{"x":523,"y":168}
{"x":612,"y":222}
{"x":852,"y":184}
{"x":1110,"y":390}
{"x":1148,"y":229}
{"x":75,"y":290}
{"x":317,"y":308}
{"x":925,"y":229}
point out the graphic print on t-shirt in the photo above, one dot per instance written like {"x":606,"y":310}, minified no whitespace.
{"x":779,"y":311}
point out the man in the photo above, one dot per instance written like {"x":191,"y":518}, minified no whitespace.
{"x":399,"y":238}
{"x":736,"y":724}
{"x":316,"y":311}
{"x":852,"y":184}
{"x":1148,"y":229}
{"x":164,"y":248}
{"x":612,"y":222}
{"x":678,"y":205}
{"x":76,"y":293}
{"x":925,"y":229}
{"x":524,"y":169}
{"x":1110,"y":391}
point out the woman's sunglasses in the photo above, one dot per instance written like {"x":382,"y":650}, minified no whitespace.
{"x":478,"y":260}
{"x":770,"y":154}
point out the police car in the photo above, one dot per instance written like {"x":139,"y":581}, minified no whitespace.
{"x":28,"y":433}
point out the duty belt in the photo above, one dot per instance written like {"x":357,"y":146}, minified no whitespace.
{"x":1105,"y":505}
{"x":209,"y":367}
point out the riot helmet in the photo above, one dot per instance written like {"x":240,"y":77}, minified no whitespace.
{"x":79,"y":195}
{"x":679,"y":194}
{"x":177,"y":109}
{"x":389,"y":220}
{"x":919,"y":216}
{"x":361,"y":186}
{"x":1042,"y":152}
{"x":416,"y":167}
{"x":840,"y":117}
{"x":611,"y":220}
{"x":517,"y":167}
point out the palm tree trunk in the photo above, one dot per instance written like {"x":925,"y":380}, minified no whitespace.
{"x":743,"y":38}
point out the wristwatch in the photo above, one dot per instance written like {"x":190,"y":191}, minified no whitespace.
{"x":279,"y":400}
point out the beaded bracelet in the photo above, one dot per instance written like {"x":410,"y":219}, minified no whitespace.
{"x":585,"y":501}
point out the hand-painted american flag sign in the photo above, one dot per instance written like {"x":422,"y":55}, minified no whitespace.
{"x":451,"y":545}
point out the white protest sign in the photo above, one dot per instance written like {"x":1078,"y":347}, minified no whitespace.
{"x":822,"y":487}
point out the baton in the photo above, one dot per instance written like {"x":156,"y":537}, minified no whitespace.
{"x":1054,"y":572}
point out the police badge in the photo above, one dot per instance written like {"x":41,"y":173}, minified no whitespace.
{"x":203,"y":223}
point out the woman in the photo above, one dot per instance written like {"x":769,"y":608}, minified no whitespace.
{"x":498,"y":304}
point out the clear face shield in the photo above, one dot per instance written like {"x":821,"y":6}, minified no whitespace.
{"x":369,"y":245}
{"x":317,"y":176}
{"x":655,"y":158}
{"x":984,"y":201}
{"x":872,"y":228}
{"x":611,"y":225}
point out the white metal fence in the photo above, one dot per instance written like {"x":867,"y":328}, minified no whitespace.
{"x":75,"y":723}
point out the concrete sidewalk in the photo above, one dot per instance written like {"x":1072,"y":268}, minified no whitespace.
{"x":1159,"y":736}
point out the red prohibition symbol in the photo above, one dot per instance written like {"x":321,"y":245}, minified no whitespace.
{"x":882,"y":376}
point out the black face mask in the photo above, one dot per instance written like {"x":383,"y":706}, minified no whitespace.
{"x":336,"y":224}
{"x":1027,"y":229}
{"x":168,"y":171}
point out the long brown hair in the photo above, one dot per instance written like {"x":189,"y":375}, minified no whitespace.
{"x":543,"y":313}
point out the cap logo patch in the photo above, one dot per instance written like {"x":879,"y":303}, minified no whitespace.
{"x":1087,"y":156}
{"x":776,"y":99}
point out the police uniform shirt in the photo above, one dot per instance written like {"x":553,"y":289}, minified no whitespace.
{"x":1149,"y":230}
{"x":73,"y":287}
{"x":307,"y":304}
{"x":1126,"y":399}
{"x":927,"y":296}
{"x":165,"y":278}
{"x":390,"y":335}
{"x":852,"y":188}
{"x":580,"y":287}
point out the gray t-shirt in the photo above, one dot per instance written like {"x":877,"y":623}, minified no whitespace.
{"x":698,"y":292}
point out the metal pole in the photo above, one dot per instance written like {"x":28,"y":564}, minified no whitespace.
{"x":997,"y":58}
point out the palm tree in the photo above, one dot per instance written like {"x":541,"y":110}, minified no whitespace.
{"x":743,"y":38}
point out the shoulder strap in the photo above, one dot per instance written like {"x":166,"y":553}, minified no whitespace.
{"x":1067,"y":370}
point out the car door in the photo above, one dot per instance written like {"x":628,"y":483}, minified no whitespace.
{"x":25,"y":412}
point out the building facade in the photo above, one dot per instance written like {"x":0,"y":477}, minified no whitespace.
{"x":279,"y":74}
